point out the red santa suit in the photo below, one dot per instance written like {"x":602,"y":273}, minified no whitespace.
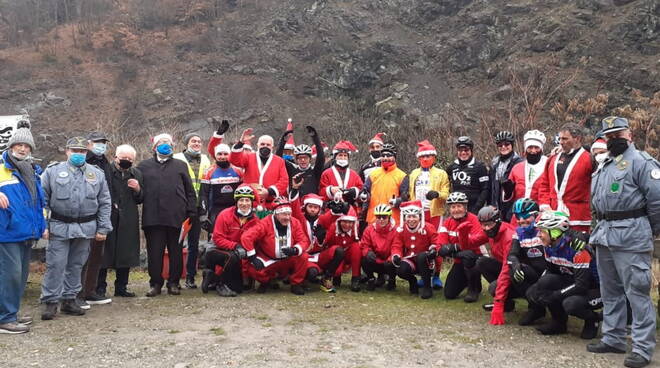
{"x":409,"y":243}
{"x":525,"y":178}
{"x":448,"y":234}
{"x":271,"y":175}
{"x":337,"y":177}
{"x":379,"y":240}
{"x":349,"y":241}
{"x":573,"y":194}
{"x":263,"y":241}
{"x":228,"y":230}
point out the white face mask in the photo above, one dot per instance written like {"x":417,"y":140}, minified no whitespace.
{"x":601,"y":157}
{"x":341,"y":163}
{"x":244,"y":213}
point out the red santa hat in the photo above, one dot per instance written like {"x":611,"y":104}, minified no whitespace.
{"x":281,"y":205}
{"x":350,"y":216}
{"x":598,"y":143}
{"x":412,"y":208}
{"x":159,"y":137}
{"x":325,"y":149}
{"x":313,"y":198}
{"x":378,"y":138}
{"x":290,"y":144}
{"x":425,"y":148}
{"x":344,"y":146}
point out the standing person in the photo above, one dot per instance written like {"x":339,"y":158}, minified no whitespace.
{"x":122,"y":248}
{"x":468,"y":175}
{"x":21,"y":216}
{"x":599,"y":149}
{"x":375,"y":146}
{"x":502,"y":164}
{"x":524,"y":175}
{"x":198,"y":164}
{"x":383,"y":183}
{"x":79,"y":201}
{"x":340,"y":182}
{"x":565,"y":184}
{"x":302,"y":162}
{"x":169,"y":198}
{"x":97,"y":145}
{"x":626,"y":203}
{"x":376,"y":244}
{"x":218,"y":186}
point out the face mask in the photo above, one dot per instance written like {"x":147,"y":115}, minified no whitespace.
{"x":528,"y":230}
{"x":17,"y":157}
{"x":222,"y":164}
{"x":617,"y":146}
{"x":125,"y":164}
{"x":244,"y":213}
{"x":164,"y":149}
{"x":387,"y":164}
{"x":374,"y":154}
{"x":601,"y":157}
{"x":99,"y":148}
{"x":288,"y":157}
{"x":264,"y":152}
{"x":534,"y":158}
{"x":426,"y":162}
{"x":77,"y":159}
{"x":494,"y":230}
{"x":341,"y":163}
{"x":194,"y":153}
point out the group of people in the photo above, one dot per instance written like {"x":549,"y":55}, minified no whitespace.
{"x":571,"y":232}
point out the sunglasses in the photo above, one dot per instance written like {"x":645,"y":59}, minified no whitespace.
{"x":503,"y":144}
{"x":382,"y":217}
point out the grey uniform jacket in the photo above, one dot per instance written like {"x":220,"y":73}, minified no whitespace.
{"x":627,"y":182}
{"x":77,"y":192}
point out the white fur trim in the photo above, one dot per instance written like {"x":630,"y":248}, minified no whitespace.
{"x":274,"y":188}
{"x":601,"y":145}
{"x":222,"y":148}
{"x":300,"y":249}
{"x":315,"y":201}
{"x":424,"y":153}
{"x":252,"y":252}
{"x":216,"y":135}
{"x":282,"y":209}
{"x":237,"y":150}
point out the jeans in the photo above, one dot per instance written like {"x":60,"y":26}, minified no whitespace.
{"x":14,"y":270}
{"x":64,"y":262}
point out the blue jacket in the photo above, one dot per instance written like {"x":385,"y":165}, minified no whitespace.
{"x":24,"y":218}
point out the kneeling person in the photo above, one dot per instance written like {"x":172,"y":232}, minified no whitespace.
{"x":376,"y":247}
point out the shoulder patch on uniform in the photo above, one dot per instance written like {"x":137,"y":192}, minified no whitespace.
{"x":52,"y":164}
{"x":63,"y":174}
{"x":655,"y":174}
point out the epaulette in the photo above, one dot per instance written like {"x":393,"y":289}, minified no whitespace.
{"x":646,"y":155}
{"x":52,"y":163}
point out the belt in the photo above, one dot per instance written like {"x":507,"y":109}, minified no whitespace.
{"x":621,"y":215}
{"x":70,"y":220}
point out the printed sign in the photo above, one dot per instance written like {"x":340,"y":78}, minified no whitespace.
{"x":7,"y":128}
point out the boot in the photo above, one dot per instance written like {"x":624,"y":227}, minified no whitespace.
{"x":371,"y":284}
{"x":70,"y":307}
{"x":174,"y":289}
{"x":207,"y":275}
{"x":533,"y":314}
{"x":298,"y":289}
{"x":412,"y":286}
{"x":426,"y":292}
{"x":474,"y":286}
{"x":391,"y":283}
{"x":312,"y":274}
{"x":472,"y":296}
{"x":380,"y":281}
{"x":225,"y":291}
{"x":355,"y":284}
{"x":635,"y":360}
{"x":336,"y":281}
{"x":155,"y":290}
{"x":48,"y":312}
{"x":190,"y":283}
{"x":590,"y":330}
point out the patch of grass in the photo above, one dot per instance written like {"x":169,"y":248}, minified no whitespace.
{"x":266,"y":324}
{"x":218,"y":331}
{"x":173,"y":331}
{"x":261,"y":317}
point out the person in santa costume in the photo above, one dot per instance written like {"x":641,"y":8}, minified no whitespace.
{"x":343,"y":233}
{"x":382,"y":185}
{"x":376,"y":245}
{"x":287,"y":144}
{"x":375,"y":146}
{"x":414,"y":248}
{"x":224,"y":263}
{"x":219,"y":136}
{"x":339,"y":182}
{"x":599,"y":149}
{"x":566,"y":182}
{"x":263,"y":169}
{"x":430,"y":185}
{"x":462,"y":273}
{"x":523,"y":179}
{"x":277,"y":248}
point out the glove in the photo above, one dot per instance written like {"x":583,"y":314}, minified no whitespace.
{"x":396,"y":260}
{"x":206,"y":224}
{"x":364,"y":196}
{"x":518,"y":274}
{"x":468,"y":257}
{"x":577,"y":244}
{"x":256,"y":262}
{"x":286,"y":134}
{"x":335,"y":207}
{"x":241,"y":253}
{"x":311,"y":131}
{"x":549,"y":298}
{"x":371,"y":256}
{"x":448,"y":250}
{"x":289,"y":251}
{"x":348,"y":195}
{"x":507,"y":186}
{"x":431,"y":253}
{"x":223,"y":127}
{"x":497,"y":314}
{"x":432,"y":194}
{"x":319,"y":232}
{"x":395,"y":202}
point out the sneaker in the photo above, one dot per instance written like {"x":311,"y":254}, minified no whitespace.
{"x":190,"y":283}
{"x":124,"y":293}
{"x":94,"y":299}
{"x":327,"y":286}
{"x":436,"y":282}
{"x":634,"y":360}
{"x":13,"y":328}
{"x":82,"y":303}
{"x":602,"y":348}
{"x":174,"y":289}
{"x":71,"y":307}
{"x":48,"y":311}
{"x":224,"y":291}
{"x":25,"y":320}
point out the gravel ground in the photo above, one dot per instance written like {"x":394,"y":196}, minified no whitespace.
{"x":279,"y":329}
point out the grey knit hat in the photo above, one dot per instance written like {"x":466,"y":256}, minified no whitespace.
{"x":188,"y":137}
{"x":22,"y":135}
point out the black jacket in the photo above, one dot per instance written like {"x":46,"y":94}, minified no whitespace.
{"x":496,"y":186}
{"x":169,"y":197}
{"x":470,"y":178}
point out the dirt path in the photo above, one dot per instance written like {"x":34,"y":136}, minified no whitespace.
{"x":279,"y":329}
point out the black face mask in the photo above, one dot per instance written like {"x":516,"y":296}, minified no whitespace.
{"x":125,"y":164}
{"x":507,"y":156}
{"x":494,"y":230}
{"x":534,"y":158}
{"x":375,"y":154}
{"x":617,"y":146}
{"x":264,"y":152}
{"x":222,"y":164}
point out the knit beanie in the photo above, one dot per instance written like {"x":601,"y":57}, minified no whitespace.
{"x":22,"y":135}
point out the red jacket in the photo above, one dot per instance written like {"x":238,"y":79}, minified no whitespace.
{"x":575,"y":190}
{"x":500,"y":245}
{"x":228,"y":228}
{"x":409,"y":244}
{"x":324,"y":220}
{"x":272,"y":174}
{"x":448,"y":233}
{"x":379,"y":240}
{"x":524,"y":186}
{"x":260,"y":239}
{"x":335,"y":236}
{"x":333,"y":177}
{"x":213,"y":142}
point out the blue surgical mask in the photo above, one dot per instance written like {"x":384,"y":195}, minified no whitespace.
{"x":164,"y":149}
{"x":99,"y":148}
{"x":288,"y":157}
{"x":77,"y":159}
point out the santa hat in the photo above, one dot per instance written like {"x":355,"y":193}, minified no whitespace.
{"x":534,"y":138}
{"x":281,"y":205}
{"x":412,"y":207}
{"x":426,"y":148}
{"x":598,"y":143}
{"x":344,"y":146}
{"x":159,"y":137}
{"x":313,"y":198}
{"x":222,"y":148}
{"x":325,"y":149}
{"x":378,"y":138}
{"x":350,"y":216}
{"x":289,"y":143}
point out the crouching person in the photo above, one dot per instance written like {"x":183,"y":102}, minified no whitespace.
{"x":276,"y":248}
{"x":376,"y":244}
{"x":343,"y":235}
{"x":414,"y":248}
{"x":224,"y":262}
{"x":570,"y":284}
